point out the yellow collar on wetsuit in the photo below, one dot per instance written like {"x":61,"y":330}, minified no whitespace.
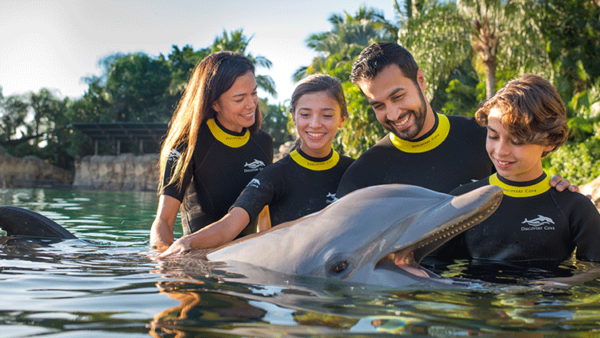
{"x":316,"y":166}
{"x":427,"y":144}
{"x":233,"y":141}
{"x":528,"y":191}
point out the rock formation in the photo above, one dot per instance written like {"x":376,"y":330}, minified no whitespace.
{"x":30,"y":171}
{"x":123,"y":172}
{"x":592,"y":188}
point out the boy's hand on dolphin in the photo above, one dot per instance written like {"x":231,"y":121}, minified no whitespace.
{"x":179,"y":247}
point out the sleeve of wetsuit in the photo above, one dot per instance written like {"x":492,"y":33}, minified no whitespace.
{"x":259,"y":192}
{"x":585,"y":224}
{"x":173,"y":189}
{"x":351,"y":180}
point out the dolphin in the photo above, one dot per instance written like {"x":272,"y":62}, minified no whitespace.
{"x":376,"y":235}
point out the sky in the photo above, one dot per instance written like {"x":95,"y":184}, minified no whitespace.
{"x":54,"y":44}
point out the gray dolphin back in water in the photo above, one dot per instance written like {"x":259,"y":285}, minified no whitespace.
{"x":25,"y":223}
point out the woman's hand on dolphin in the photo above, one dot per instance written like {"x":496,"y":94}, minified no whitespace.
{"x":179,"y":247}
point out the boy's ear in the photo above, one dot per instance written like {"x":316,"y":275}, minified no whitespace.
{"x":549,"y":148}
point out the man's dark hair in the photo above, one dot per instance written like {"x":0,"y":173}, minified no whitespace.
{"x":377,"y":56}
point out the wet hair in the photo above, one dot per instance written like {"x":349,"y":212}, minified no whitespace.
{"x":212,"y":77}
{"x":319,"y":83}
{"x":532,"y":111}
{"x":373,"y":59}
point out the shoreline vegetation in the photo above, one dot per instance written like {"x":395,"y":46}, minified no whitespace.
{"x":467,"y":51}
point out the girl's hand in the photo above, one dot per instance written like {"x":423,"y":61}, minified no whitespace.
{"x":178,"y":248}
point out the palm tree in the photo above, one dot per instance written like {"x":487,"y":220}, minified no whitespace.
{"x":501,"y":27}
{"x":436,"y":35}
{"x":237,"y":42}
{"x":340,"y":46}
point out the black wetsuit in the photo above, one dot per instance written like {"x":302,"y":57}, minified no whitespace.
{"x":295,"y":186}
{"x":222,"y":165}
{"x":451,"y":154}
{"x":533,"y":222}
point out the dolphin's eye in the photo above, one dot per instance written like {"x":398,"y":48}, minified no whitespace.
{"x":339,"y":267}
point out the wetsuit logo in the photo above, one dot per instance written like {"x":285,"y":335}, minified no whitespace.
{"x":330,"y":198}
{"x":173,"y":155}
{"x":255,"y":165}
{"x":536,"y":223}
{"x":254,"y":183}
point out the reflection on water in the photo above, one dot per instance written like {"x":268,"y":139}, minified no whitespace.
{"x":112,"y":288}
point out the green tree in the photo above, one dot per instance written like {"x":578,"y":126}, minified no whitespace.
{"x":502,"y":35}
{"x":570,"y":30}
{"x":182,"y":63}
{"x":349,"y":35}
{"x":138,"y":88}
{"x":237,"y":42}
{"x":361,"y":130}
{"x":13,"y":112}
{"x":436,"y":35}
{"x":491,"y":34}
{"x":275,"y":121}
{"x":43,"y":105}
{"x":94,"y":106}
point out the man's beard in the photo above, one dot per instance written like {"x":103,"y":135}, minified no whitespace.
{"x":419,"y":121}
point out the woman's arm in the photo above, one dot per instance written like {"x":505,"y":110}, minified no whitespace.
{"x":216,"y":234}
{"x":161,"y":233}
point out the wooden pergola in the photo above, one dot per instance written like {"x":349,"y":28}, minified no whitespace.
{"x":115,"y":133}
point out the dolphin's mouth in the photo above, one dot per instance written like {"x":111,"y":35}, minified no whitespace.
{"x":409,"y":256}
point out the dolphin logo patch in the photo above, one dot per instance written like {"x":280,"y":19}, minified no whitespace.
{"x":536,"y":222}
{"x":255,"y":165}
{"x":254,"y":183}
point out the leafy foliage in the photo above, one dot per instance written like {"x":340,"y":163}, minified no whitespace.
{"x":576,"y":161}
{"x":451,"y":41}
{"x":275,"y":122}
{"x":361,"y":130}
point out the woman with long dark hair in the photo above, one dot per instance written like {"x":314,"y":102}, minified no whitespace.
{"x":214,"y":146}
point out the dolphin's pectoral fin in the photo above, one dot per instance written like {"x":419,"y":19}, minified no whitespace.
{"x":25,"y":223}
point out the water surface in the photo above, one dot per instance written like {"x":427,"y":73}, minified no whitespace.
{"x":110,"y":288}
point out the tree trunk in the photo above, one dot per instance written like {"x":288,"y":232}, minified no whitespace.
{"x":490,"y":77}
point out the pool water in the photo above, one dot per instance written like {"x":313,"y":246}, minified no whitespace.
{"x":111,"y":288}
